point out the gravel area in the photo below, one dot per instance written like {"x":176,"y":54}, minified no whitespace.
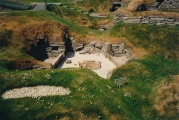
{"x":34,"y":92}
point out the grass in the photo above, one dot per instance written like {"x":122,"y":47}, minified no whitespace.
{"x":71,"y":106}
{"x":78,"y":17}
{"x":91,"y":96}
{"x":161,"y":40}
{"x":143,"y":76}
{"x":61,"y":1}
{"x":96,"y":5}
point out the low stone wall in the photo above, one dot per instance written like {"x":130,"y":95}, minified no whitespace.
{"x":58,"y":60}
{"x":152,"y":20}
{"x":109,"y":57}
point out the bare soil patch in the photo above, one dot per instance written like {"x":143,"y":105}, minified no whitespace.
{"x":166,"y":100}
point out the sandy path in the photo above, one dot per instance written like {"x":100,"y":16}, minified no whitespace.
{"x":76,"y":57}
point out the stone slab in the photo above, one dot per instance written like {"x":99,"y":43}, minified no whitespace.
{"x":134,"y":21}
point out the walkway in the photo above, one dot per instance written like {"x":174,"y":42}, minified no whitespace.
{"x":41,"y":5}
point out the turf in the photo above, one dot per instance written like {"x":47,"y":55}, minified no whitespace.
{"x":91,"y":96}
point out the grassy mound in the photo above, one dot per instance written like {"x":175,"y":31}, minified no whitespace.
{"x":144,"y":78}
{"x":161,"y":40}
{"x":91,"y":97}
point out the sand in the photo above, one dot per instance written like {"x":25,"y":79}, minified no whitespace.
{"x":106,"y":64}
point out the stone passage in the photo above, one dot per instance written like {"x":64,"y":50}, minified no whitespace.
{"x":37,"y":91}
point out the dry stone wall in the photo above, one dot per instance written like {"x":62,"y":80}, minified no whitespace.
{"x":53,"y":50}
{"x":169,"y":5}
{"x":152,"y":20}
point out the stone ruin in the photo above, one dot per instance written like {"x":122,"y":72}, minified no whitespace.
{"x":150,"y":19}
{"x":92,"y":47}
{"x":43,"y":49}
{"x":115,"y":4}
{"x":169,"y":5}
{"x":111,"y":51}
{"x":91,"y":64}
{"x":115,"y":50}
{"x":54,"y":50}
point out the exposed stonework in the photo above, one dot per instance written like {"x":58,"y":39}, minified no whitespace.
{"x":169,"y":5}
{"x":152,"y":20}
{"x":92,"y":47}
{"x":91,"y":64}
{"x":116,"y":50}
{"x":54,"y":50}
{"x":112,"y":52}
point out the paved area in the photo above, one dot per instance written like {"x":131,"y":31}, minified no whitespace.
{"x":76,"y":58}
{"x":41,"y":5}
{"x":97,"y":15}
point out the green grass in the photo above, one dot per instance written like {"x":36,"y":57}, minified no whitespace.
{"x":90,"y":94}
{"x":60,"y":1}
{"x":94,"y":90}
{"x":96,"y":5}
{"x":75,"y":16}
{"x":161,"y":40}
{"x":48,"y":16}
{"x":143,"y":76}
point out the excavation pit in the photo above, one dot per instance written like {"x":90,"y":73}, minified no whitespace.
{"x":96,"y":62}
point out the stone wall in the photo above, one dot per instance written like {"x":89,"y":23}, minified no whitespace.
{"x":112,"y":52}
{"x":54,"y":50}
{"x":58,"y":60}
{"x":152,"y":20}
{"x":169,"y":5}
